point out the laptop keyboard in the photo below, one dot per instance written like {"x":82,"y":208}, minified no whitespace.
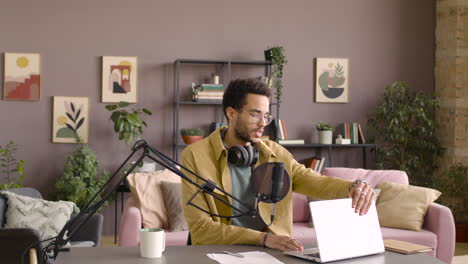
{"x":314,"y":255}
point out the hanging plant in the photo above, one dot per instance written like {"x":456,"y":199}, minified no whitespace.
{"x":278,"y":59}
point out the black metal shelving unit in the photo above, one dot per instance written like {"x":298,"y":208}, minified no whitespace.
{"x":330,"y":147}
{"x":177,"y":144}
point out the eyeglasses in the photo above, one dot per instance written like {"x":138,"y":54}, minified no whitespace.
{"x":255,"y":117}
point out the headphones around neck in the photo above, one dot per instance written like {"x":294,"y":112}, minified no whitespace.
{"x":243,"y":156}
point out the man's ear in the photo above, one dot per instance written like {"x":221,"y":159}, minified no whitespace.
{"x":231,"y":113}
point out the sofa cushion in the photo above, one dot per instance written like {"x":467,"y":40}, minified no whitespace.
{"x":47,"y":217}
{"x":404,"y":206}
{"x":173,"y":202}
{"x":146,"y":191}
{"x":176,"y":238}
{"x":301,"y":212}
{"x":373,"y":177}
{"x":304,"y":233}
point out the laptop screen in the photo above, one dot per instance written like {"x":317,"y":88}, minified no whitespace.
{"x":342,"y":233}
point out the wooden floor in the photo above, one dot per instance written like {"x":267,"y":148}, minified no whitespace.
{"x":460,"y":248}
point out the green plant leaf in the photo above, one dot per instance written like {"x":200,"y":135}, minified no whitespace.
{"x":148,"y":112}
{"x":123,"y":104}
{"x":72,"y":107}
{"x":111,"y":107}
{"x":115,"y":116}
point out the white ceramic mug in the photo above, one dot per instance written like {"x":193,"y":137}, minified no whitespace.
{"x":152,"y":242}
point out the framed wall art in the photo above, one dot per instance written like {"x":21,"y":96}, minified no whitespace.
{"x":70,"y":119}
{"x":119,"y":79}
{"x":22,"y":73}
{"x":332,"y":80}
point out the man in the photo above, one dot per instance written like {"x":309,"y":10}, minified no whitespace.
{"x":246,"y":107}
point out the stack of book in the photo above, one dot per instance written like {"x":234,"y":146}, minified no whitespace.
{"x":209,"y":93}
{"x":353,"y":131}
{"x":315,"y":163}
{"x":283,"y":135}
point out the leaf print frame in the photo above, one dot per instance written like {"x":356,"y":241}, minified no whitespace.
{"x":332,"y":80}
{"x":70,"y":120}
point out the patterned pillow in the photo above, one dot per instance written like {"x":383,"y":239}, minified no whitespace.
{"x":47,"y":217}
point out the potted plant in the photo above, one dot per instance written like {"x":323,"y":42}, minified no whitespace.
{"x":404,"y":127}
{"x":80,"y":181}
{"x":10,"y":166}
{"x":128,"y":124}
{"x":278,"y":60}
{"x":325,"y":133}
{"x":453,"y":184}
{"x":191,"y":135}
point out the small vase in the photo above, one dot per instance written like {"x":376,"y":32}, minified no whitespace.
{"x":325,"y":136}
{"x":191,"y":139}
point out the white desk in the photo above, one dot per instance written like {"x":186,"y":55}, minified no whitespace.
{"x":197,"y":255}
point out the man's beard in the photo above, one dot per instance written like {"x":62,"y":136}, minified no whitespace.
{"x":242,"y":133}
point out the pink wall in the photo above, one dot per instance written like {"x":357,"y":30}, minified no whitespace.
{"x":385,"y":40}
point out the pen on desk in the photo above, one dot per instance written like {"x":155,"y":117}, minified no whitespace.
{"x":233,"y":254}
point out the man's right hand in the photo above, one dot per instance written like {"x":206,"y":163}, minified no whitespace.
{"x":283,"y":243}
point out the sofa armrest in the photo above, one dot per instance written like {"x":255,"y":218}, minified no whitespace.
{"x":130,"y":224}
{"x":91,"y":230}
{"x":439,"y":220}
{"x":13,"y":243}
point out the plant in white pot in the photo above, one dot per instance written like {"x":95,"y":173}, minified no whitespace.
{"x":325,"y":133}
{"x":129,"y":126}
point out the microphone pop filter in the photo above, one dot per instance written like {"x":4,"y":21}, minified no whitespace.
{"x":262,"y":178}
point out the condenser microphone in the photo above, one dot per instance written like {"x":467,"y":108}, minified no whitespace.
{"x":271,"y":183}
{"x":276,"y":186}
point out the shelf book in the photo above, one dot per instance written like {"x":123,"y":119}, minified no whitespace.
{"x":315,"y":163}
{"x":291,"y":141}
{"x":353,"y":131}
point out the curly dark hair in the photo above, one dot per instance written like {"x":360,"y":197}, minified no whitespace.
{"x":237,"y":90}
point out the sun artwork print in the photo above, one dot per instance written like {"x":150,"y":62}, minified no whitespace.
{"x":332,"y":80}
{"x":22,"y":76}
{"x":70,"y":119}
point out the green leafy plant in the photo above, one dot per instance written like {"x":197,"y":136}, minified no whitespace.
{"x":10,"y":167}
{"x":127,"y":124}
{"x":323,"y":126}
{"x":192,"y":132}
{"x":453,"y":183}
{"x":79,"y":181}
{"x":278,"y":59}
{"x":404,"y":127}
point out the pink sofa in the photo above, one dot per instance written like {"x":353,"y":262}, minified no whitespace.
{"x":438,"y":228}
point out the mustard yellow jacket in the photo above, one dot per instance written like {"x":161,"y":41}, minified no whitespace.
{"x":208,"y":158}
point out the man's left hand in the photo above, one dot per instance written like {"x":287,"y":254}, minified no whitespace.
{"x":363,"y":196}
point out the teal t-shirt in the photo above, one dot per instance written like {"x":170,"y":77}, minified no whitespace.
{"x":241,"y":179}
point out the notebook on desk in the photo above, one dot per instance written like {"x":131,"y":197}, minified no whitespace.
{"x":342,"y":233}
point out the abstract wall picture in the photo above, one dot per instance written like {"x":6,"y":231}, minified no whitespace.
{"x":332,"y":79}
{"x":22,"y":76}
{"x":70,"y":119}
{"x":119,"y":79}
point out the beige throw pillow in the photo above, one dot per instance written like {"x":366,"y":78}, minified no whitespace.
{"x":404,"y":206}
{"x":172,"y":199}
{"x":146,"y":190}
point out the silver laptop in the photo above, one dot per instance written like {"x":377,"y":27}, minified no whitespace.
{"x":342,"y":233}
